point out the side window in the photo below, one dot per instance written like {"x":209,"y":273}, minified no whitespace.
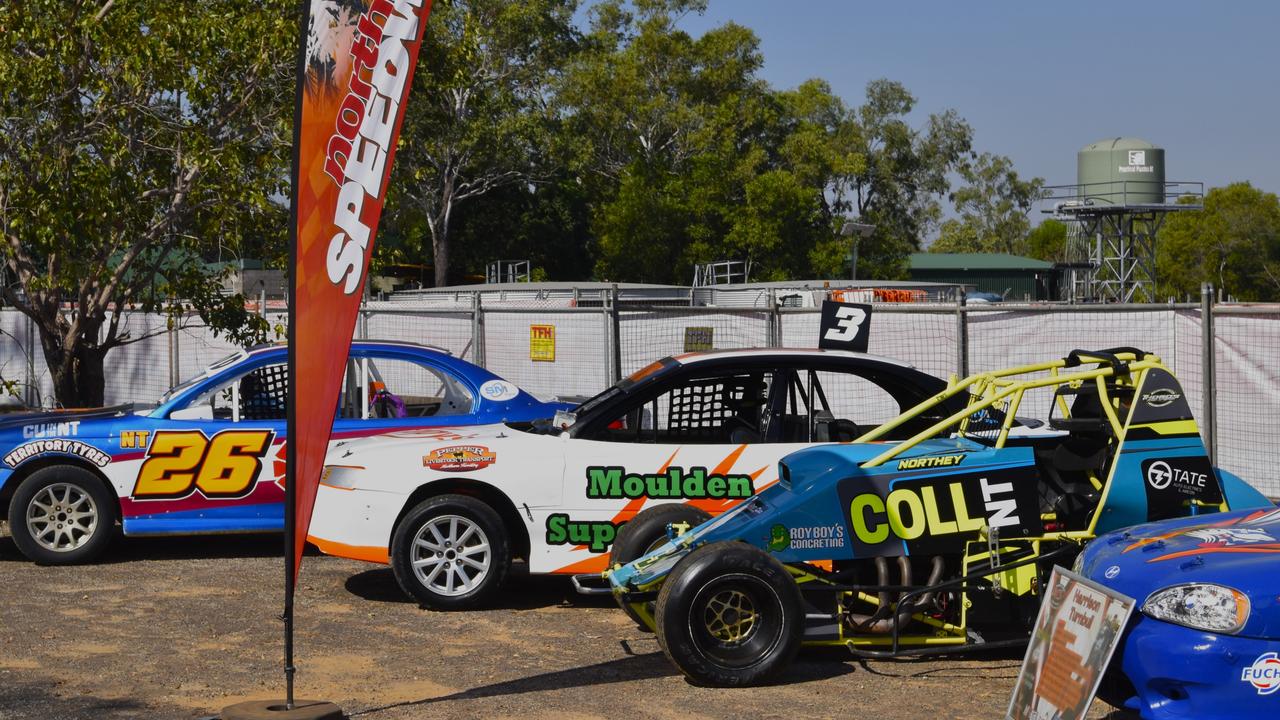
{"x":260,"y":394}
{"x":857,"y":399}
{"x":732,"y":409}
{"x":825,"y":406}
{"x":395,"y":388}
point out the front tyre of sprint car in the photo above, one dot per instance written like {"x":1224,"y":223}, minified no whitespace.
{"x":646,"y":532}
{"x":450,"y":552}
{"x":729,"y":615}
{"x":62,"y":515}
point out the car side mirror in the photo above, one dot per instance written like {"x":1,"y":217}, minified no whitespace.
{"x":195,"y":412}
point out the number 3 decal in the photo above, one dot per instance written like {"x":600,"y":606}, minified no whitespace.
{"x":179,"y":462}
{"x":848,"y":320}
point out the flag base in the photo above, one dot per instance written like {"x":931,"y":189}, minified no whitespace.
{"x":275,"y":710}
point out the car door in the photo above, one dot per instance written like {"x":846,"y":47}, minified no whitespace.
{"x":707,"y":439}
{"x":215,"y":462}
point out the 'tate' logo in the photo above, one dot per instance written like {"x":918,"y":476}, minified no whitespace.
{"x":1263,"y":674}
{"x":1159,"y":475}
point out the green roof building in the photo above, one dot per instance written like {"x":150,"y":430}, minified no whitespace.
{"x":1011,"y":276}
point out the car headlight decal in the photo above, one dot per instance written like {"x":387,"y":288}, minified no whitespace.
{"x":1202,"y":606}
{"x":342,"y":477}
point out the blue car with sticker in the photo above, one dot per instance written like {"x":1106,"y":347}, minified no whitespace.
{"x":209,"y":458}
{"x":1206,"y":640}
{"x":933,"y":532}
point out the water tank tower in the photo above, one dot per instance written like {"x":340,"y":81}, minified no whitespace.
{"x":1119,"y":201}
{"x":1121,"y":171}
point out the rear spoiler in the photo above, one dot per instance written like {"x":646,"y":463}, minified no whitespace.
{"x":53,"y":416}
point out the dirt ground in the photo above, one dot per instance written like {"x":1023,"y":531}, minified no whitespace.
{"x":181,"y":627}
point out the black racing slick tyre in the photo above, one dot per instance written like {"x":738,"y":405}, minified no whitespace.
{"x":451,"y":552}
{"x":644,"y":533}
{"x":62,"y":515}
{"x":729,"y":616}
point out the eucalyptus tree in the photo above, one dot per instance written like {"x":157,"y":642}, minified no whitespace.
{"x":138,"y":140}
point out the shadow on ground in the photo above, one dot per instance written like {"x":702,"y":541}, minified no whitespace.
{"x":37,"y":701}
{"x":628,"y":669}
{"x":522,"y":591}
{"x":172,"y":547}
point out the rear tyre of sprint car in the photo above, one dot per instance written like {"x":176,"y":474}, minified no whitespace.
{"x":646,"y":532}
{"x":62,"y":515}
{"x":450,"y":552}
{"x":729,"y":615}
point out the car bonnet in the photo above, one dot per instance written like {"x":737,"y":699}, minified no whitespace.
{"x":1240,"y":550}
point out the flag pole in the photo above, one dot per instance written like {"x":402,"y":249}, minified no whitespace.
{"x":387,"y":52}
{"x":291,"y":414}
{"x":290,"y":708}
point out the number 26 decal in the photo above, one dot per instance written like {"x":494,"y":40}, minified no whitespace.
{"x":179,"y":462}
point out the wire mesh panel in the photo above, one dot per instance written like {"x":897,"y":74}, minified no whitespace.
{"x":924,"y":339}
{"x":35,"y":389}
{"x":549,"y":352}
{"x":1247,"y":370}
{"x":1005,"y":338}
{"x":139,"y":371}
{"x":451,"y":330}
{"x":651,"y":334}
{"x":197,"y":347}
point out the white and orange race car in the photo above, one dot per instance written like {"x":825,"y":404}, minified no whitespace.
{"x":682,"y":439}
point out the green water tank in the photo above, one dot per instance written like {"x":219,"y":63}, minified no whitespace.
{"x":1121,"y":171}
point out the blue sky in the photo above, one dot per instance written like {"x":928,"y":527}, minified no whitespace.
{"x":1038,"y":81}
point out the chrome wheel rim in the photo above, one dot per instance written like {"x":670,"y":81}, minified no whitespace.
{"x":451,"y":555}
{"x":62,"y":517}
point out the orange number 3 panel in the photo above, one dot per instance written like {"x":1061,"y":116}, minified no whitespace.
{"x":179,"y":462}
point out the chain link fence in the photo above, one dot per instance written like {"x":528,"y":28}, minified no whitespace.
{"x":552,"y":347}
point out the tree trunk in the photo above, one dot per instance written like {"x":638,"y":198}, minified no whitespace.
{"x":440,"y":252}
{"x":78,"y":375}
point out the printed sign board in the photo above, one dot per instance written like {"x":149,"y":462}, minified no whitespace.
{"x":845,"y":326}
{"x":698,"y":339}
{"x":1077,"y":630}
{"x":542,"y":343}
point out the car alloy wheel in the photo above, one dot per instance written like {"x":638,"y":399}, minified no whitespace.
{"x":62,"y":517}
{"x":451,"y":555}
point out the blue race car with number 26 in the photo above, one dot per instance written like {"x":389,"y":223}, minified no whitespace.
{"x":210,"y":457}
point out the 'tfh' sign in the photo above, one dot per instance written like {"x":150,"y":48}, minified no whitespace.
{"x":542,"y":343}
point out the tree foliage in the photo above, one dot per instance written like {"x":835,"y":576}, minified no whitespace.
{"x":128,"y":155}
{"x":1048,"y":241}
{"x":905,"y":177}
{"x":1233,"y":243}
{"x":993,"y":205}
{"x":693,"y":158}
{"x":479,"y":117}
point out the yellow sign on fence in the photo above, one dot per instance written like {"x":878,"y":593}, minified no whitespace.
{"x":542,"y":343}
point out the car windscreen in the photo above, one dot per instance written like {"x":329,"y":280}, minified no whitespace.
{"x":644,"y":374}
{"x":220,"y":364}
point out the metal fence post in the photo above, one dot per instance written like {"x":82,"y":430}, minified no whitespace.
{"x":1209,"y":420}
{"x":477,"y":330}
{"x":962,"y":335}
{"x":173,"y":352}
{"x":615,"y":332}
{"x":32,"y":391}
{"x":774,"y":334}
